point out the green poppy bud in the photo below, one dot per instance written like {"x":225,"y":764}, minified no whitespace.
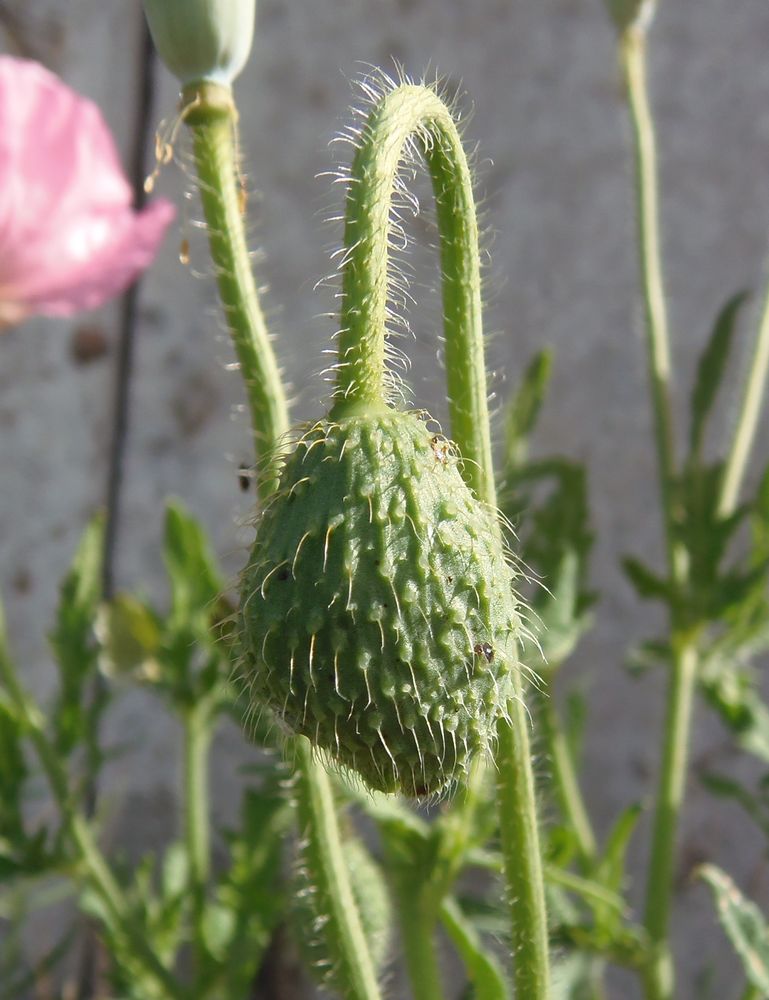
{"x":202,"y":41}
{"x":377,"y":612}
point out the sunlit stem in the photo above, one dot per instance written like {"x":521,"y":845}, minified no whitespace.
{"x":210,"y":112}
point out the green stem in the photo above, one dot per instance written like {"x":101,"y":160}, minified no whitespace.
{"x":404,"y":113}
{"x":747,"y":421}
{"x":79,"y":831}
{"x":520,"y":850}
{"x":197,"y":741}
{"x":659,"y":975}
{"x":633,"y":61}
{"x":566,"y":782}
{"x":318,"y":824}
{"x":211,"y":114}
{"x":417,"y":916}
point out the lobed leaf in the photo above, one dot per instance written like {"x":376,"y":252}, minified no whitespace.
{"x":744,"y":925}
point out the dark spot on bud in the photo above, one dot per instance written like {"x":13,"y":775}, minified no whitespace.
{"x":283,"y":574}
{"x":484,"y":649}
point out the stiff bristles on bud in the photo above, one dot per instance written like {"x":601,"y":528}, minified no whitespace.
{"x":377,"y":614}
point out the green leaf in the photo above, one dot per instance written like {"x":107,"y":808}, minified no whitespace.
{"x":13,"y":775}
{"x":576,"y":976}
{"x":734,"y":696}
{"x":132,"y":635}
{"x":646,"y":582}
{"x":74,"y":644}
{"x":755,"y":804}
{"x":712,"y":367}
{"x":744,"y":925}
{"x":523,"y":409}
{"x":192,"y":570}
{"x":483,"y":969}
{"x":612,"y":867}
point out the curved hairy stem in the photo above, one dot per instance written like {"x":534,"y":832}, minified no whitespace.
{"x":211,"y":114}
{"x":417,"y":113}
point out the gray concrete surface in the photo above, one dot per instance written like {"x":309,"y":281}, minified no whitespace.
{"x":555,"y":175}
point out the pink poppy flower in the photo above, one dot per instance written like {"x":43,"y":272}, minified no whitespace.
{"x":69,"y":238}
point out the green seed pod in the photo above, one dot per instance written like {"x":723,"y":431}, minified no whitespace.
{"x":202,"y":40}
{"x":309,"y":914}
{"x":378,"y":615}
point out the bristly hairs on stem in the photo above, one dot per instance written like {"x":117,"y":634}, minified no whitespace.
{"x":372,"y":87}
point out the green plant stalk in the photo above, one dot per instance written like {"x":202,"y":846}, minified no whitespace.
{"x":659,"y":975}
{"x":211,"y":114}
{"x":318,"y":825}
{"x":406,"y":112}
{"x":566,"y":782}
{"x":76,"y":825}
{"x":747,"y":420}
{"x":417,"y":916}
{"x":197,"y":741}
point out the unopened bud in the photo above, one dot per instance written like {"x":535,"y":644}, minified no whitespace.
{"x":202,"y":41}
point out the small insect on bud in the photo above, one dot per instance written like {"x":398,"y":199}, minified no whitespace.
{"x":374,"y":571}
{"x":202,"y":41}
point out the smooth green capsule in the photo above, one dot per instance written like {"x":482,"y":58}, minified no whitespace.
{"x":202,"y":41}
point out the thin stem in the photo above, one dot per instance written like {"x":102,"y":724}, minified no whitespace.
{"x":417,"y":916}
{"x":79,"y":831}
{"x":633,"y":61}
{"x":210,"y":113}
{"x":747,"y":421}
{"x":197,"y":740}
{"x":417,"y":112}
{"x":345,"y":939}
{"x":521,"y":854}
{"x":566,"y":782}
{"x":659,"y":975}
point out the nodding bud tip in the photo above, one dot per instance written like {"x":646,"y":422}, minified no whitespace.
{"x":202,"y":40}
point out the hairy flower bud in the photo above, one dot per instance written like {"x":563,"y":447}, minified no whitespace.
{"x":378,"y":615}
{"x":202,"y":41}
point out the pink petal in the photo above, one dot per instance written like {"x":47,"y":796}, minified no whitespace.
{"x":69,"y":238}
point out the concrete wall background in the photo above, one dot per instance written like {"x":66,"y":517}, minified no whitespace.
{"x":555,"y":173}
